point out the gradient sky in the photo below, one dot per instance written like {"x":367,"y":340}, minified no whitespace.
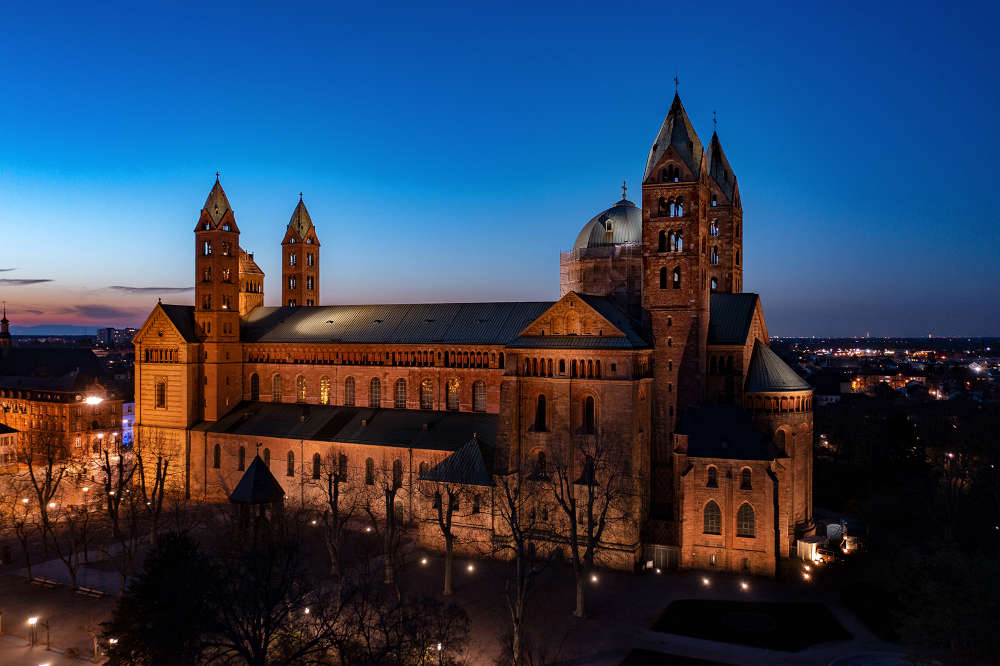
{"x":449,"y":153}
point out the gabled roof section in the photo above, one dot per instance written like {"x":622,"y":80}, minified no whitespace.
{"x":182,"y":317}
{"x":300,"y":222}
{"x":216,"y":205}
{"x":723,"y":431}
{"x":448,"y":323}
{"x":258,"y":486}
{"x":465,"y":466}
{"x":730,"y":317}
{"x":768,"y":373}
{"x":719,"y":169}
{"x":606,"y":326}
{"x":678,"y":133}
{"x":248,"y":265}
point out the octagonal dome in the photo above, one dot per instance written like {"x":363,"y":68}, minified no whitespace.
{"x":623,"y":220}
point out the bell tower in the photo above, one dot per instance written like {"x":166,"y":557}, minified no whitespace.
{"x":725,"y":223}
{"x":675,"y":293}
{"x":6,"y":342}
{"x":300,"y":260}
{"x":216,"y":307}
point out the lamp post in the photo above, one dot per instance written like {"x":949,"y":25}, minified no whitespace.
{"x":32,"y":636}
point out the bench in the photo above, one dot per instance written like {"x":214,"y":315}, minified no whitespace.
{"x":90,"y":592}
{"x":45,"y":582}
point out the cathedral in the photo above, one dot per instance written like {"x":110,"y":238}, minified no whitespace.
{"x":653,"y":345}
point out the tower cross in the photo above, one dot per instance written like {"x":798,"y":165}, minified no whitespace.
{"x":715,"y":120}
{"x":624,"y":189}
{"x":677,"y":82}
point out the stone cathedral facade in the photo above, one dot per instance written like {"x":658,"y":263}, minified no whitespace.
{"x":652,"y":345}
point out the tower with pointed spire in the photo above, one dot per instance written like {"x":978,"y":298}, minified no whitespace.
{"x":725,"y":225}
{"x":300,"y":260}
{"x":676,"y":199}
{"x":216,"y":314}
{"x":5,"y":340}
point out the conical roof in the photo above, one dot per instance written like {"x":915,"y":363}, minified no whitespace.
{"x":467,"y":465}
{"x":718,"y":167}
{"x":678,"y":132}
{"x":216,"y":204}
{"x":768,"y":373}
{"x":258,"y":485}
{"x":301,"y":223}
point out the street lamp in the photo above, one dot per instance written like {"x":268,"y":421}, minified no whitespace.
{"x":32,"y":636}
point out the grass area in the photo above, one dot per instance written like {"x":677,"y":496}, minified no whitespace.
{"x":770,"y":625}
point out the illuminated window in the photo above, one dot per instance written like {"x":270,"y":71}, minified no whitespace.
{"x":276,"y":388}
{"x":426,"y":394}
{"x":713,"y":519}
{"x":324,"y":390}
{"x":745,"y":521}
{"x":300,"y":389}
{"x":452,"y":395}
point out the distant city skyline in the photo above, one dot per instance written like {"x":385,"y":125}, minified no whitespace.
{"x":449,"y":154}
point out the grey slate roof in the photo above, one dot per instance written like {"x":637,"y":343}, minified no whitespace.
{"x":405,"y":428}
{"x":300,"y":221}
{"x":449,"y":323}
{"x":216,"y":204}
{"x":468,"y":465}
{"x":730,"y":316}
{"x":257,"y":486}
{"x":626,"y":227}
{"x":723,"y":431}
{"x":182,"y":316}
{"x":49,"y":369}
{"x":676,"y":131}
{"x":767,"y":372}
{"x":718,"y":167}
{"x":606,"y":308}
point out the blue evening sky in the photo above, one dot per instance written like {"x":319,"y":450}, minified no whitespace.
{"x":450,"y":152}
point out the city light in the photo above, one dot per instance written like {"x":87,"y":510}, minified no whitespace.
{"x":86,"y":488}
{"x":52,"y":505}
{"x":368,"y":529}
{"x":25,"y":500}
{"x":423,"y":560}
{"x":307,"y":610}
{"x":805,"y":576}
{"x":658,"y":570}
{"x":32,"y":621}
{"x":706,"y":582}
{"x":470,"y":568}
{"x":93,"y":400}
{"x":593,"y":578}
{"x":113,"y":641}
{"x":745,"y":586}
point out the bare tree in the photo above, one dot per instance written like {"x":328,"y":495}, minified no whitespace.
{"x":337,"y":507}
{"x":45,"y":456}
{"x":16,"y":512}
{"x":379,"y":497}
{"x":447,"y":499}
{"x":69,"y":532}
{"x":152,"y":463}
{"x":519,"y":521}
{"x":589,"y":486}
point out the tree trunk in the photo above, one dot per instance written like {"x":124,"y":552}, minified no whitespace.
{"x":580,"y":610}
{"x":448,"y":557}
{"x":516,"y":644}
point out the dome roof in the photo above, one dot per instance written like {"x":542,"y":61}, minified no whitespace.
{"x":625,"y":221}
